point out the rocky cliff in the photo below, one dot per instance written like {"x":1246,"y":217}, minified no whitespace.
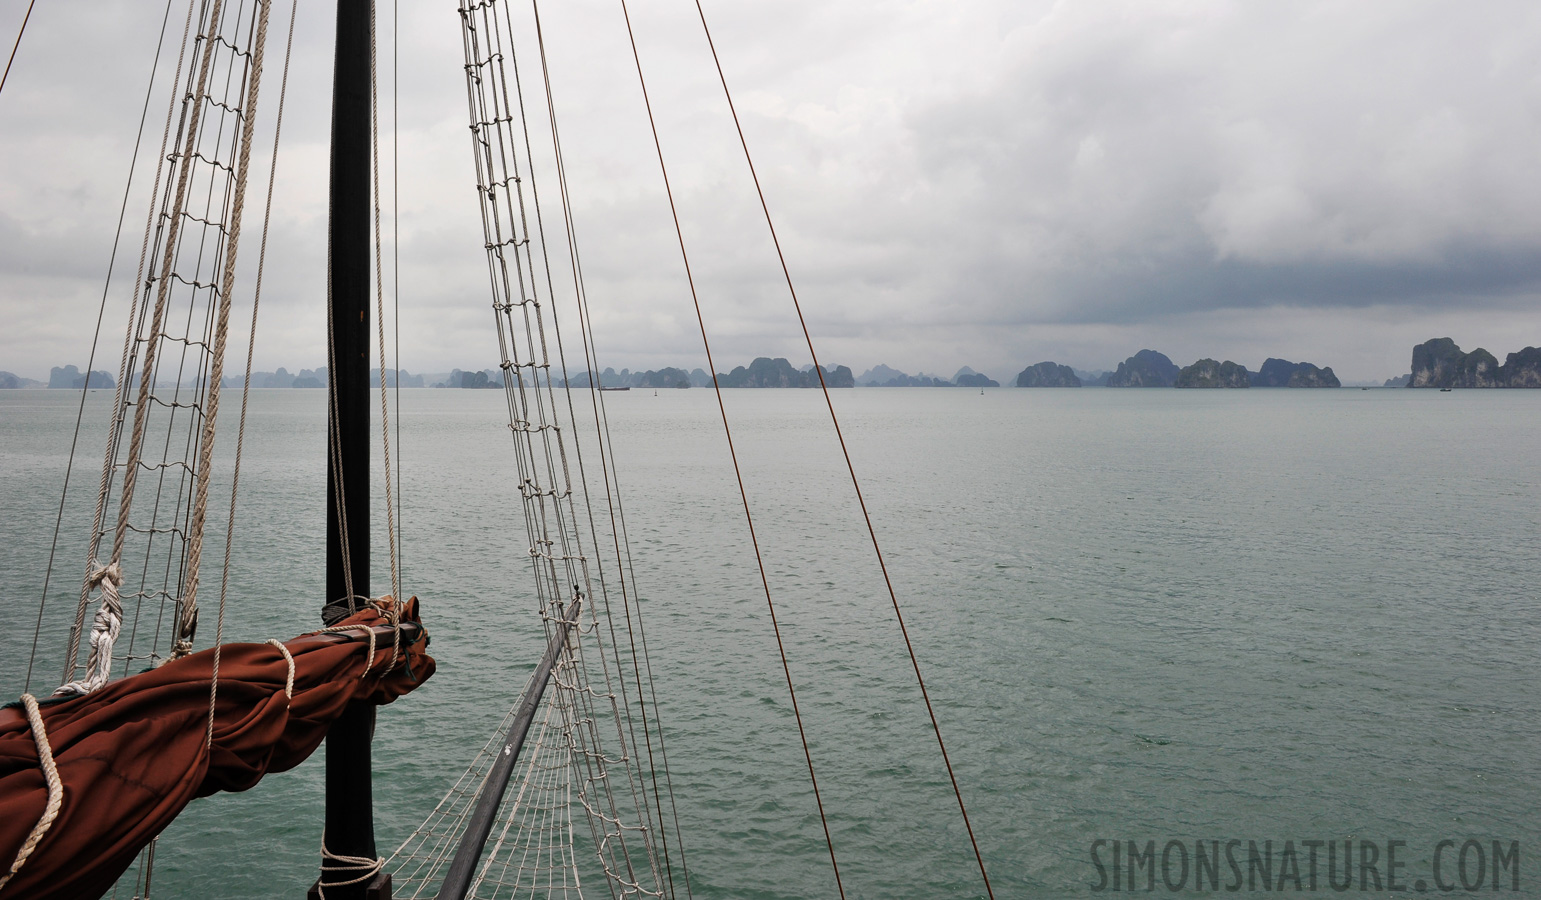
{"x":11,"y":381}
{"x":1048,"y":375}
{"x":1145,"y":369}
{"x":1439,"y":363}
{"x":70,"y":377}
{"x":1523,"y":369}
{"x":778,"y":373}
{"x":1206,"y":373}
{"x":667,"y":377}
{"x":1283,"y":373}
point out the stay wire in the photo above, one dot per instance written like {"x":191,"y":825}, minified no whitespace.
{"x":649,"y":761}
{"x":732,"y":453}
{"x":614,"y":503}
{"x":21,"y":31}
{"x":396,"y":260}
{"x":100,"y":314}
{"x":850,"y":467}
{"x":385,"y":413}
{"x":251,"y":347}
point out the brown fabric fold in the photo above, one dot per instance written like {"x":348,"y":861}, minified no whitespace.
{"x":133,"y":754}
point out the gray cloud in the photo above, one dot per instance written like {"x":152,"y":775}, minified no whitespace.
{"x":989,"y":183}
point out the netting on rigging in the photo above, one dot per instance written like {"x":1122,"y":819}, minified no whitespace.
{"x":156,"y":466}
{"x":533,"y":850}
{"x":586,"y":751}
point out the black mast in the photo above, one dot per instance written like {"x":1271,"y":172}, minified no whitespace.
{"x":349,"y":805}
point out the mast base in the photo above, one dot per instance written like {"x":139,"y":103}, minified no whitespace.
{"x":378,"y":888}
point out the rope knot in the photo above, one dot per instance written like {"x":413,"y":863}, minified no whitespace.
{"x":111,"y":572}
{"x":104,"y":632}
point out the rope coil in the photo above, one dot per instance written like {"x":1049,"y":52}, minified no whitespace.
{"x":338,"y":863}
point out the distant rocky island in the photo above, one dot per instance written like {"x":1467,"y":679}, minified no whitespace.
{"x":1145,"y":369}
{"x":59,"y":377}
{"x":1207,"y":373}
{"x":778,"y":373}
{"x":1049,"y":375}
{"x":883,"y":376}
{"x":10,"y":381}
{"x":1150,"y":368}
{"x":763,"y":372}
{"x":1283,"y":373}
{"x":1439,"y":363}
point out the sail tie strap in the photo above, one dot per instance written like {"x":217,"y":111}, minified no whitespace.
{"x":45,"y":758}
{"x":104,"y":632}
{"x":369,"y":662}
{"x":289,"y":658}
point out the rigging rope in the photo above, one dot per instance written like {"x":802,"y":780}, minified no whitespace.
{"x":104,"y":633}
{"x":851,"y":468}
{"x":655,"y":808}
{"x":620,"y":539}
{"x":136,"y":442}
{"x":334,"y":444}
{"x":385,"y":412}
{"x":23,"y":30}
{"x":85,"y":389}
{"x":189,"y":618}
{"x":732,"y":453}
{"x":628,"y":853}
{"x":136,"y":439}
{"x":251,"y":347}
{"x":125,"y":365}
{"x":396,"y":254}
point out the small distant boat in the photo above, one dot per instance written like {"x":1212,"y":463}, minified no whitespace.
{"x":1444,"y":390}
{"x":627,"y":388}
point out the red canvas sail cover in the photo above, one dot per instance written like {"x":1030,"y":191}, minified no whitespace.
{"x":133,"y":754}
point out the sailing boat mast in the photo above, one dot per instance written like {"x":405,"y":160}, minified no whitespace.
{"x":349,"y":804}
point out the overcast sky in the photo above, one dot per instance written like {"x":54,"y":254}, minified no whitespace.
{"x":973,"y":182}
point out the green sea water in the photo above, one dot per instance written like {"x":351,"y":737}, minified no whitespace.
{"x":1143,"y":615}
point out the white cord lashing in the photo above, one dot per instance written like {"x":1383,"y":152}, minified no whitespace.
{"x":336,"y":862}
{"x":104,"y":633}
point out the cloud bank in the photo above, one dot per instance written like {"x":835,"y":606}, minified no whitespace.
{"x":984,"y":183}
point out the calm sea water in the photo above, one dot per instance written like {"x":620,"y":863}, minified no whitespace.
{"x":1143,"y":615}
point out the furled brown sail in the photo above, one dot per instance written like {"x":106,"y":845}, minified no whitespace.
{"x":134,"y":753}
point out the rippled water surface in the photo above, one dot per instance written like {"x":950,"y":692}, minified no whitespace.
{"x":1141,"y":615}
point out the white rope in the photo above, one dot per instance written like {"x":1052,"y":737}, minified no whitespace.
{"x":288,"y":657}
{"x":369,"y":663}
{"x":45,"y":758}
{"x":104,"y":632}
{"x":369,"y":866}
